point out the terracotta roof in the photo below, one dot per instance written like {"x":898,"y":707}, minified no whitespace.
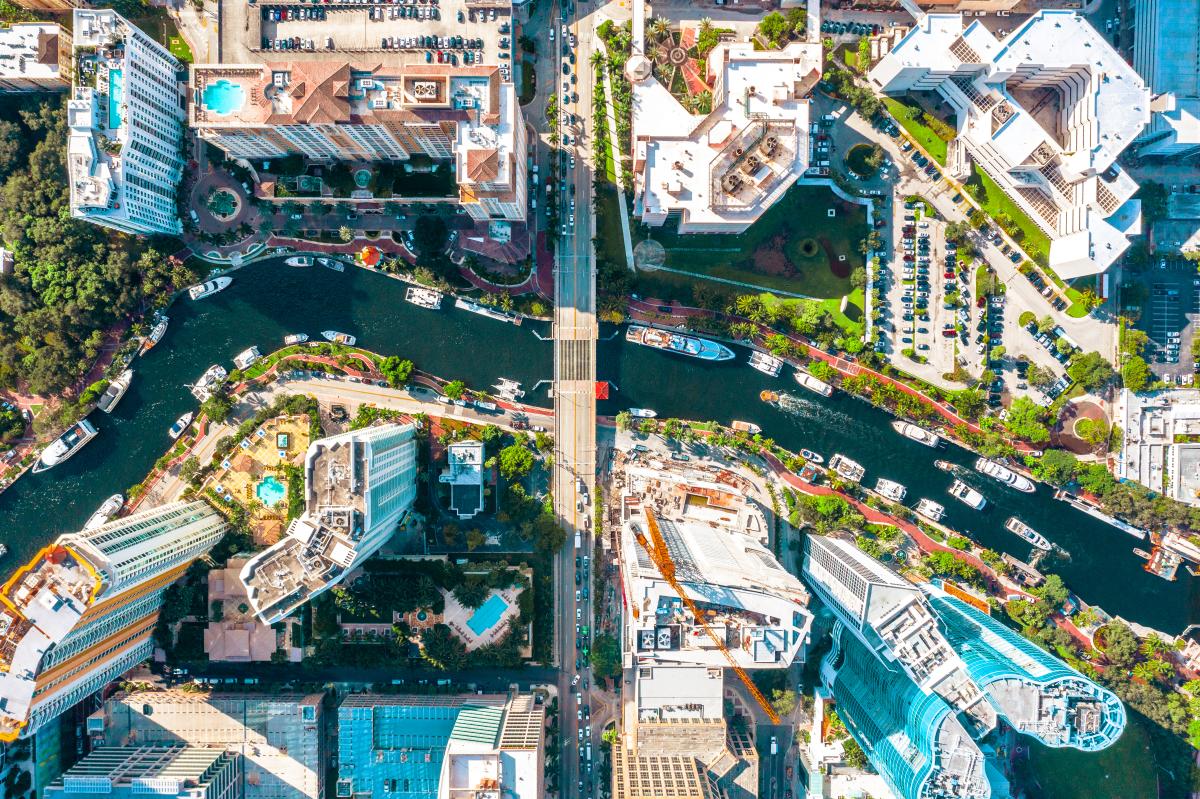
{"x":320,"y":92}
{"x":483,"y":165}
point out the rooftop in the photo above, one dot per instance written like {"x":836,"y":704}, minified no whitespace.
{"x":724,"y":169}
{"x":31,"y":50}
{"x":39,"y":606}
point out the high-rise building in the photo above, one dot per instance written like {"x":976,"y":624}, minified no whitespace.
{"x":166,"y":772}
{"x":750,"y":601}
{"x":83,"y":610}
{"x":1166,"y":52}
{"x":358,"y":486}
{"x":338,"y":111}
{"x":277,"y":737}
{"x":441,"y":747}
{"x":35,"y":57}
{"x":1045,"y":112}
{"x":922,"y":678}
{"x":126,"y":118}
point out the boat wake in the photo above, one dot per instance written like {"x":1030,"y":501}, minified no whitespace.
{"x":803,"y":407}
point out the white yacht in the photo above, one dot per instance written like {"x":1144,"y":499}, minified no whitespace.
{"x":998,"y":471}
{"x":967,"y":495}
{"x":745,"y":427}
{"x":813,"y":384}
{"x":105,"y":512}
{"x":767,"y":364}
{"x":332,"y":263}
{"x":207,"y":289}
{"x":66,"y":445}
{"x":933,"y":511}
{"x":846,"y":468}
{"x":916,"y":433}
{"x":295,"y":338}
{"x":890,"y":489}
{"x":426,"y":298}
{"x":156,"y":333}
{"x":1015,"y":525}
{"x":116,"y":389}
{"x":643,"y":413}
{"x":181,"y":424}
{"x":339,"y":338}
{"x":299,"y":260}
{"x":246,"y":357}
{"x":208,"y":381}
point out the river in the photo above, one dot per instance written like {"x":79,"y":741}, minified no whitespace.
{"x":269,"y":300}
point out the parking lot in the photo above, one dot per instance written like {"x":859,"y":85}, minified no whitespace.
{"x":393,"y":33}
{"x":1169,"y":318}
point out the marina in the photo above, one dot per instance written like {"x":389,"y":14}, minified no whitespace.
{"x":116,"y":389}
{"x":769,"y":365}
{"x":275,"y":300}
{"x":678,"y":343}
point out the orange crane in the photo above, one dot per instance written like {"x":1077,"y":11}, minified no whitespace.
{"x":656,"y":548}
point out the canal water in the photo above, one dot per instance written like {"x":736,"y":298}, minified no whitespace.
{"x":269,"y":300}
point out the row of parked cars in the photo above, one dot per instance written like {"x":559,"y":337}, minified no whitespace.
{"x":855,"y":28}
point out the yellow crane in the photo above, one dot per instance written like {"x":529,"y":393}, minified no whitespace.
{"x":656,"y":548}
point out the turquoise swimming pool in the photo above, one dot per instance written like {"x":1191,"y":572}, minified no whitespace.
{"x":116,"y":96}
{"x":224,"y":97}
{"x":488,"y":615}
{"x":270,"y":491}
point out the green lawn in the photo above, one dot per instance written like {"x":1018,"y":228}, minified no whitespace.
{"x":610,"y":244}
{"x":851,"y":322}
{"x":996,"y":202}
{"x":908,"y":115}
{"x":769,"y":254}
{"x":179,"y":48}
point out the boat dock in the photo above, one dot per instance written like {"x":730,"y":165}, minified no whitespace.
{"x":1092,"y":510}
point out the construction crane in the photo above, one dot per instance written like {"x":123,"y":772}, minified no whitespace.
{"x":656,"y":548}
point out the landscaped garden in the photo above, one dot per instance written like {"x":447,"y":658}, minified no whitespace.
{"x":796,"y":247}
{"x":864,"y":160}
{"x":678,"y":58}
{"x":927,"y":130}
{"x":1008,"y":215}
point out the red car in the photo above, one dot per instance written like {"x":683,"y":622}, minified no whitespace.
{"x":948,"y":332}
{"x":948,"y":275}
{"x":908,"y":258}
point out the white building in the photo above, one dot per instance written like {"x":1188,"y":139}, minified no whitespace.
{"x":752,"y":603}
{"x":168,"y":772}
{"x":126,"y":119}
{"x":464,"y":475}
{"x":719,"y":172}
{"x":35,"y":57}
{"x":1159,"y":448}
{"x":82,"y":612}
{"x":278,"y":738}
{"x":1044,"y":112}
{"x":1166,"y":52}
{"x":358,"y":486}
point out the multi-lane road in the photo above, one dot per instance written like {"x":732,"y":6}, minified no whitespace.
{"x":575,"y":335}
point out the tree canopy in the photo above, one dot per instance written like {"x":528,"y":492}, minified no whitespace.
{"x":396,"y":370}
{"x":1091,"y":370}
{"x":516,"y":461}
{"x":1024,"y":420}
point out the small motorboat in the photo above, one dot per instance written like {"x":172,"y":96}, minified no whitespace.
{"x":332,"y":263}
{"x":643,"y":413}
{"x":846,"y":468}
{"x":810,"y":456}
{"x":745,"y":427}
{"x":890,"y":489}
{"x":181,"y":424}
{"x":933,"y":511}
{"x":339,"y":338}
{"x":105,"y":512}
{"x":813,"y":384}
{"x":299,"y":260}
{"x":295,"y":338}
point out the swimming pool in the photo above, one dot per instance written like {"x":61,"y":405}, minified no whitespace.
{"x":116,"y":96}
{"x":270,"y":491}
{"x":488,"y":614}
{"x":224,"y":97}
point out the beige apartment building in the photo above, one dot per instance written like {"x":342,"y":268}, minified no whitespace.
{"x":35,"y":57}
{"x":465,"y":116}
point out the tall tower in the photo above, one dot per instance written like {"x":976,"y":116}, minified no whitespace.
{"x":83,"y":610}
{"x":166,"y":772}
{"x":357,"y":485}
{"x":126,"y":118}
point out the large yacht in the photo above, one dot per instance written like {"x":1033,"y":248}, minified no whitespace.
{"x":679,"y":343}
{"x":208,"y":381}
{"x":105,"y":512}
{"x":813,"y":384}
{"x":246,"y":358}
{"x":890,"y":489}
{"x":998,"y":471}
{"x":846,"y":468}
{"x":916,"y":433}
{"x":967,"y":495}
{"x":65,"y":445}
{"x":767,"y":364}
{"x":1015,"y":525}
{"x":116,"y":389}
{"x":933,"y":511}
{"x":207,"y":289}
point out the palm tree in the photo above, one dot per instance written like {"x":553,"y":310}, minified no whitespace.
{"x":1152,"y":646}
{"x":660,"y":28}
{"x":597,"y":58}
{"x":705,"y":24}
